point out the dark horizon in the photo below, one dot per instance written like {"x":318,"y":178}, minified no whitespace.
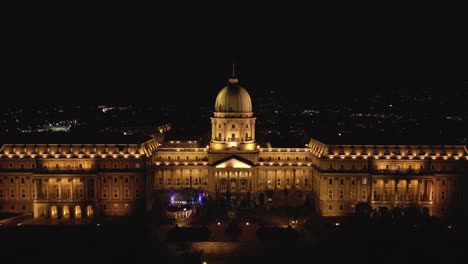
{"x":115,"y":54}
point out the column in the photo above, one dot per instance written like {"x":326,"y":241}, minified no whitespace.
{"x":225,"y":131}
{"x":213,"y":132}
{"x":190,"y":177}
{"x":276,"y":179}
{"x":216,"y":177}
{"x":252,"y":127}
{"x":294,"y":177}
{"x":172,"y":178}
{"x":430,"y":190}
{"x":417,"y":191}
{"x":72,"y":187}
{"x":405,"y":191}
{"x":396,"y":195}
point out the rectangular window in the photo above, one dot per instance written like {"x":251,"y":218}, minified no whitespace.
{"x":137,"y":165}
{"x":341,"y":194}
{"x":80,"y":166}
{"x":442,"y":195}
{"x":22,"y":180}
{"x":364,"y":195}
{"x":330,"y":194}
{"x":341,"y":207}
{"x":126,"y":165}
{"x":341,"y":181}
{"x":137,"y":193}
{"x":330,"y":207}
{"x":353,"y":181}
{"x":33,"y":166}
{"x":23,"y":207}
{"x":443,"y":182}
{"x":115,"y":180}
{"x":104,"y":180}
{"x":364,"y":181}
{"x":137,"y":179}
{"x":116,"y":165}
{"x":11,"y":180}
{"x":22,"y":166}
{"x":330,"y":181}
{"x":352,"y":194}
{"x":126,"y":180}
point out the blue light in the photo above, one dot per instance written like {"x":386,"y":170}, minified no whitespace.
{"x":171,"y":197}
{"x":200,"y":197}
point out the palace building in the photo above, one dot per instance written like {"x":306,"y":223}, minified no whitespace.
{"x":119,"y":176}
{"x":69,"y":177}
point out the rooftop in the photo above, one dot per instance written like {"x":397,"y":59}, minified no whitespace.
{"x":386,"y":139}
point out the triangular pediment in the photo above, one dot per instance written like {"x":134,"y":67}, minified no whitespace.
{"x":233,"y":162}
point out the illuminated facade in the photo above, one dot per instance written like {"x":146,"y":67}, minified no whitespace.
{"x":334,"y":176}
{"x":233,"y":166}
{"x":117,"y":178}
{"x":74,"y":180}
{"x":430,"y":177}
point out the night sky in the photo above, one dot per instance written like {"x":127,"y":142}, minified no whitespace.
{"x":85,"y":52}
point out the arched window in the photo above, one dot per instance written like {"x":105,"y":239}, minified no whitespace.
{"x":219,"y":135}
{"x":233,"y":136}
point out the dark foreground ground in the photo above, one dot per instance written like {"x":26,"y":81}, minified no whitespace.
{"x":133,"y":241}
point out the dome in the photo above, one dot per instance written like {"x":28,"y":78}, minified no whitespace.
{"x":233,"y":98}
